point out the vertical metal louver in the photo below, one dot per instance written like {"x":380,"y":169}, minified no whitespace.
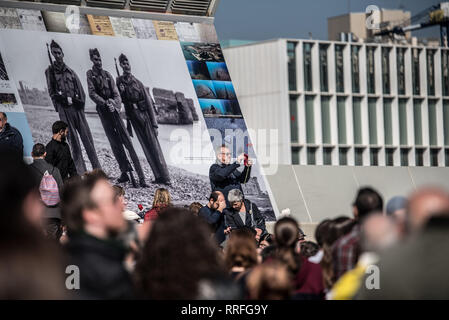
{"x":113,"y":4}
{"x":149,"y":5}
{"x":65,"y":2}
{"x":195,"y":7}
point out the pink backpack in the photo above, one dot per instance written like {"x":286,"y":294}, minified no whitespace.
{"x":49,"y":190}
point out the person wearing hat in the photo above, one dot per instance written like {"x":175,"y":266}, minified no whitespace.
{"x":396,"y":209}
{"x":140,"y":112}
{"x":68,"y":97}
{"x":103,"y":91}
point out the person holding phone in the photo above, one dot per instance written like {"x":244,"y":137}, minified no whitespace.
{"x":212,"y":213}
{"x":225,"y":176}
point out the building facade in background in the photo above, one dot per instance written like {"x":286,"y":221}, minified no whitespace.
{"x":345,"y":103}
{"x":356,"y":23}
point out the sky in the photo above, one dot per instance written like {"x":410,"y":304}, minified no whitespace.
{"x":269,"y":19}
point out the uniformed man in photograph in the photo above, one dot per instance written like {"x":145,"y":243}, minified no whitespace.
{"x":103,"y":91}
{"x":68,"y":97}
{"x":141,"y":113}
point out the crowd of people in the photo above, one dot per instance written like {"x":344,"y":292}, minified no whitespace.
{"x":70,"y":236}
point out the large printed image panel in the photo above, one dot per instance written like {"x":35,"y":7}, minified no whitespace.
{"x":233,"y":133}
{"x":154,"y":91}
{"x":223,"y":116}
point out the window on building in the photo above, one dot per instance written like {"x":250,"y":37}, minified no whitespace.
{"x":308,"y":84}
{"x":339,"y":70}
{"x":446,"y":121}
{"x":358,"y":156}
{"x":310,"y":120}
{"x":291,"y":53}
{"x":434,"y":157}
{"x":343,"y":156}
{"x":325,"y":120}
{"x":311,"y":155}
{"x":445,"y":71}
{"x":341,"y":119}
{"x":404,"y":156}
{"x":403,"y":122}
{"x":400,"y":64}
{"x":371,"y":80}
{"x":374,"y":156}
{"x":355,"y":70}
{"x":430,"y":72}
{"x":446,"y":157}
{"x":432,"y":122}
{"x":389,"y":156}
{"x":323,"y":68}
{"x":419,"y":157}
{"x":327,"y":156}
{"x":388,"y":122}
{"x":357,"y":120}
{"x":386,"y":70}
{"x":415,"y":71}
{"x":294,"y":131}
{"x":417,"y":121}
{"x":295,"y":155}
{"x":372,"y":116}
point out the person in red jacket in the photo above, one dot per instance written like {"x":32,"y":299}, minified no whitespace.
{"x":161,"y":201}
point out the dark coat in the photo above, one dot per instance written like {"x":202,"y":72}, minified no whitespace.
{"x":234,"y":220}
{"x":216,"y":220}
{"x":63,"y":83}
{"x":39,"y":166}
{"x":10,"y":138}
{"x":225,"y":177}
{"x":100,"y":263}
{"x":58,"y":154}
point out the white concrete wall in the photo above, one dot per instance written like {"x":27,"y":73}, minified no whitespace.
{"x":260,"y":75}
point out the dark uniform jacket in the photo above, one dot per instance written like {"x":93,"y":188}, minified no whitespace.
{"x":10,"y":138}
{"x":62,"y":83}
{"x":225,"y":177}
{"x":101,"y":88}
{"x":135,"y":97}
{"x":58,"y":154}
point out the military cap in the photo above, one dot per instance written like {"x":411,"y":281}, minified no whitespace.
{"x":94,"y":52}
{"x":122,"y":58}
{"x":54,"y":45}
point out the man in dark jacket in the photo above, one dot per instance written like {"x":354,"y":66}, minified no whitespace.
{"x":10,"y":137}
{"x":94,"y":223}
{"x":243,"y":213}
{"x":225,"y":176}
{"x":212,"y":213}
{"x":58,"y":151}
{"x":52,"y":215}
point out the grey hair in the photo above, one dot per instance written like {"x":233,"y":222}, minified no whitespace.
{"x":235,"y":195}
